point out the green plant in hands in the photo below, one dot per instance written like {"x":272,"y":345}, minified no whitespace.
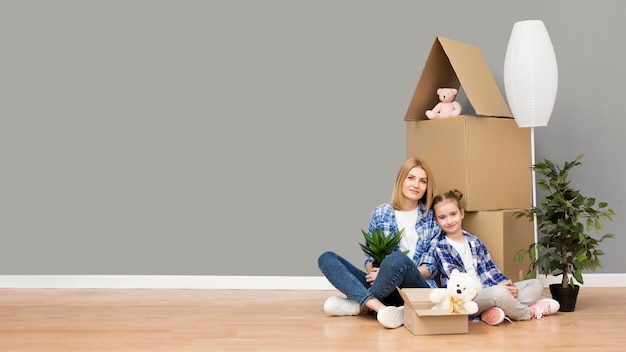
{"x":378,"y":246}
{"x":566,"y":217}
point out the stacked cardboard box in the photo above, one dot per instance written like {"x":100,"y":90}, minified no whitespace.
{"x":486,"y":156}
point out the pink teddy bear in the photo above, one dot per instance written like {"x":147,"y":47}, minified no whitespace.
{"x":447,"y":107}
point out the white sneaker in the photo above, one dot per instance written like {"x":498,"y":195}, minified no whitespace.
{"x":341,"y":306}
{"x":391,"y":317}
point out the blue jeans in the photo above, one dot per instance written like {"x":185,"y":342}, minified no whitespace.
{"x":396,"y":270}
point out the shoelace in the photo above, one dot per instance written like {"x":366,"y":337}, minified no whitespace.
{"x":539,"y":312}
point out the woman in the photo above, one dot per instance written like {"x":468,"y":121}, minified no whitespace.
{"x":375,"y":288}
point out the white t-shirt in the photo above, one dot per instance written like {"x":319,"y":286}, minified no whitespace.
{"x":406,"y":220}
{"x":466,"y":255}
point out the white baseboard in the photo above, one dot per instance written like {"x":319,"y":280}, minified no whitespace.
{"x":222,"y":282}
{"x":592,"y":280}
{"x":167,"y":282}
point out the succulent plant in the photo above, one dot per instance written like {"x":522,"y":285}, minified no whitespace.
{"x":378,"y":246}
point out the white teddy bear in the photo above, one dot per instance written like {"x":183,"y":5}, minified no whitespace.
{"x":462,"y":289}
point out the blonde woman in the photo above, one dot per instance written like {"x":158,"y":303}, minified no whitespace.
{"x":374,"y":289}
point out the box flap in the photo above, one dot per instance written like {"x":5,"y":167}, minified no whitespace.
{"x":418,"y":299}
{"x":405,"y":298}
{"x":454,"y":64}
{"x":415,"y":297}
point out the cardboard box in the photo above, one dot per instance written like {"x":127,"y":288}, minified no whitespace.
{"x":488,"y":159}
{"x":420,"y":319}
{"x":452,"y":64}
{"x":504,"y":235}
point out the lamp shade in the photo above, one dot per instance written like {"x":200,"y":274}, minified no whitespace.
{"x":530,"y":74}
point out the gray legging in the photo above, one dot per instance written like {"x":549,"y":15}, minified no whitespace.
{"x":516,"y":308}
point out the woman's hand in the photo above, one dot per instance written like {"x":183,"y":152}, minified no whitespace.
{"x":371,"y":275}
{"x":424,"y":271}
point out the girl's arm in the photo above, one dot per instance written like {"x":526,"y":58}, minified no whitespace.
{"x":489,"y":266}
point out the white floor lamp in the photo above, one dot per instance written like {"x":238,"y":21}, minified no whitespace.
{"x":531,"y":81}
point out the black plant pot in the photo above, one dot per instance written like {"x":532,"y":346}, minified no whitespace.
{"x":566,"y":296}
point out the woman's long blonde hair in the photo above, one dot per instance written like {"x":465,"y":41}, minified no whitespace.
{"x":397,"y":199}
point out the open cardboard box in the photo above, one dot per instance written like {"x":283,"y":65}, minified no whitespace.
{"x":487,"y":157}
{"x":420,"y":319}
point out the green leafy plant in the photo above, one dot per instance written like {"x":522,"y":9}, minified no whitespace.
{"x":566,"y":218}
{"x":378,"y":246}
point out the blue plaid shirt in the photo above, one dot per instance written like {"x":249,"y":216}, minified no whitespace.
{"x":449,"y":259}
{"x":384,"y":217}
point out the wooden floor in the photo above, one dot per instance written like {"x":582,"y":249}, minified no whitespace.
{"x":260,"y":320}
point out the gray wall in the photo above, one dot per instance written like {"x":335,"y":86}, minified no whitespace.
{"x":246,"y":137}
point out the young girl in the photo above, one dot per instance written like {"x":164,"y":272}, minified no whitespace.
{"x":499,"y":297}
{"x":375,"y":288}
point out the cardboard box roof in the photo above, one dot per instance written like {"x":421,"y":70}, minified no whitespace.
{"x":454,"y":64}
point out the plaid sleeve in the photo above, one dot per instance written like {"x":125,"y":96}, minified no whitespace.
{"x":428,"y":233}
{"x":428,"y":258}
{"x":486,"y":268}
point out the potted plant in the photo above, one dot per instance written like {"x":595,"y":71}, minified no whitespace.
{"x":378,"y":246}
{"x":566,"y":218}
